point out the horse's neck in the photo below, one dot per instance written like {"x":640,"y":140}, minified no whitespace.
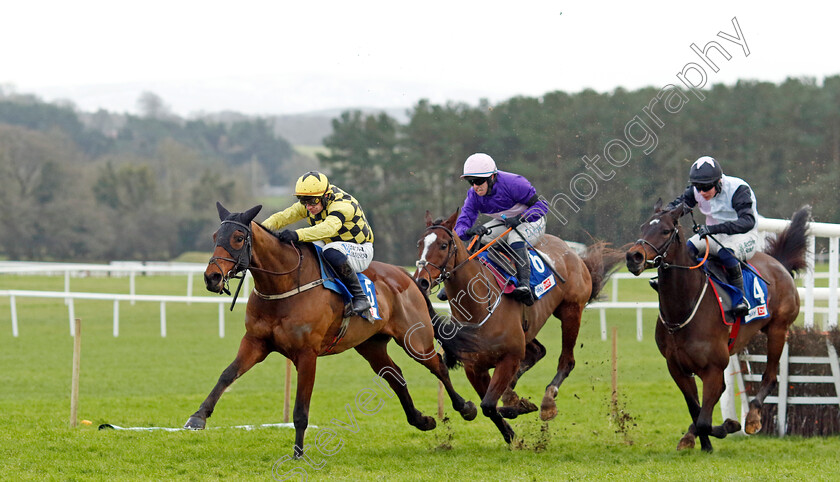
{"x":271,"y":257}
{"x":680,"y":288}
{"x":473,"y":286}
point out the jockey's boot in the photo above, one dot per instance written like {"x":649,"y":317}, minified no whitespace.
{"x":522,"y":293}
{"x":360,"y":303}
{"x":654,"y":283}
{"x":736,"y":279}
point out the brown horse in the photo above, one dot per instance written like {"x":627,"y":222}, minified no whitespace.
{"x":291,"y":313}
{"x":494,"y":331}
{"x":690,"y":333}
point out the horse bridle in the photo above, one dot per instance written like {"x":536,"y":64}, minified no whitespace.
{"x":242,"y":263}
{"x":444,"y":275}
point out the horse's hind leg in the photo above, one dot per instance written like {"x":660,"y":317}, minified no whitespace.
{"x":419,"y":344}
{"x":512,"y":405}
{"x":775,"y":346}
{"x":569,"y":314}
{"x":375,"y":351}
{"x":251,"y":352}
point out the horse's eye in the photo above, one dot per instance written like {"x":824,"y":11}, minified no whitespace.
{"x":443,"y":245}
{"x":667,"y":231}
{"x":239,"y":239}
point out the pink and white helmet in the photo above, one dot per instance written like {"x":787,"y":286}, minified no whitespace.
{"x":479,"y":165}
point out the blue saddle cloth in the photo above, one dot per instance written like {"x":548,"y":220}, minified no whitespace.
{"x":333,"y":283}
{"x":542,"y":278}
{"x":756,"y":294}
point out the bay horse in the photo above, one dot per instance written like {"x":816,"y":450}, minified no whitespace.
{"x":289,"y":312}
{"x":495,"y":331}
{"x":690,"y":332}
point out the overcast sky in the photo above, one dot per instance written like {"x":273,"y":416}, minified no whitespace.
{"x":279,"y":57}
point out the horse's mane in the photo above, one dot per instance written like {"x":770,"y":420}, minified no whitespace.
{"x":302,"y":244}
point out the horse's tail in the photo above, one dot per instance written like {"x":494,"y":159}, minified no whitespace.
{"x":601,"y":261}
{"x":790,"y":246}
{"x":454,"y":337}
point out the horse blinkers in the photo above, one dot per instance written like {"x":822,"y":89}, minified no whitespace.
{"x":237,"y":243}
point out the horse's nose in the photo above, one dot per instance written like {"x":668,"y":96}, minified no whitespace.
{"x":212,"y":281}
{"x":423,"y":284}
{"x":634,"y":260}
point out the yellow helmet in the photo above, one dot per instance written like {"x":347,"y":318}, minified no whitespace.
{"x":313,"y":183}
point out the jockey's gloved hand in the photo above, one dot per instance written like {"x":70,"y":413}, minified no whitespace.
{"x":288,"y":236}
{"x":477,"y":230}
{"x":513,"y":221}
{"x":702,"y":231}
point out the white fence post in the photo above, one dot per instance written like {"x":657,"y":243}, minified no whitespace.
{"x":221,"y":320}
{"x":14,"y":316}
{"x":832,"y":282}
{"x":116,"y":318}
{"x":163,"y":319}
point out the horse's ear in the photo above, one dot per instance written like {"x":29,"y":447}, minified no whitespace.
{"x":450,"y":221}
{"x":429,"y":220}
{"x":658,"y":206}
{"x":250,"y":214}
{"x":223,"y":213}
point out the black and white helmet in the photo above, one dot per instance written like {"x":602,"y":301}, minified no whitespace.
{"x":705,"y":171}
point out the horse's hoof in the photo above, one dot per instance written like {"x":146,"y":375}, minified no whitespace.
{"x":687,"y":442}
{"x":731,"y":426}
{"x":195,"y":423}
{"x":548,"y":409}
{"x":425,"y":423}
{"x":469,"y":411}
{"x":509,"y":398}
{"x":753,"y":422}
{"x":526,"y":406}
{"x":508,"y":412}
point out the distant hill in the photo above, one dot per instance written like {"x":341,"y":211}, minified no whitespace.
{"x":310,"y":128}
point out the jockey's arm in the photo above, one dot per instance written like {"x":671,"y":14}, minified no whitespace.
{"x":337,"y":213}
{"x":687,"y":198}
{"x":291,"y":214}
{"x":742,"y":204}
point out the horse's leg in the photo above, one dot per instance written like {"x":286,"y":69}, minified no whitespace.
{"x":775,"y":345}
{"x":305,"y":362}
{"x":375,"y":351}
{"x":251,"y":351}
{"x":713,"y":387}
{"x":482,"y":382}
{"x":512,"y":405}
{"x":419,"y":344}
{"x":688,"y":387}
{"x":569,"y":314}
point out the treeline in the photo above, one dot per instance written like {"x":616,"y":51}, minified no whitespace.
{"x":102,"y":186}
{"x":600,"y":159}
{"x":106,"y":186}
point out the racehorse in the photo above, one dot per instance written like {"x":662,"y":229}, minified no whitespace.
{"x":290,"y":312}
{"x":690,"y":332}
{"x":495,"y":331}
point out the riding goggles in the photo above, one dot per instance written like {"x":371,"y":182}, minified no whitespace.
{"x":704,"y":187}
{"x":309,"y":200}
{"x":475,"y":181}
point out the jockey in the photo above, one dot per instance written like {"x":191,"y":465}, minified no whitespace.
{"x":509,"y":198}
{"x":730,"y":208}
{"x":336,"y":223}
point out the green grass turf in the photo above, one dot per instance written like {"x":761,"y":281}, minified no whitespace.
{"x":141,"y":379}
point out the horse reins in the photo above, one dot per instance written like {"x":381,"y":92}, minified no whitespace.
{"x":240,"y":266}
{"x":660,"y":263}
